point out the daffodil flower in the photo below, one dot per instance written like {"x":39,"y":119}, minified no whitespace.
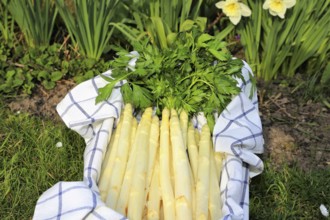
{"x":234,"y":10}
{"x":278,"y":7}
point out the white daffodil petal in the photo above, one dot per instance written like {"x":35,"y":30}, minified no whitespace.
{"x":231,"y":1}
{"x":281,"y":14}
{"x":235,"y":19}
{"x":289,"y":3}
{"x":266,"y":4}
{"x":274,"y":13}
{"x":245,"y":10}
{"x":220,"y":4}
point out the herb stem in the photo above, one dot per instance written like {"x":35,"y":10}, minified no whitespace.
{"x":203,"y":81}
{"x":187,"y":77}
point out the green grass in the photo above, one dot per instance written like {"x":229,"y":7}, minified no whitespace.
{"x":289,"y":193}
{"x":30,"y":163}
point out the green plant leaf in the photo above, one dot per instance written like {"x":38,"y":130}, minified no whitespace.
{"x":201,"y":22}
{"x":3,"y":58}
{"x":89,"y":63}
{"x":55,"y":76}
{"x":43,"y":75}
{"x":10,"y":74}
{"x":171,"y":38}
{"x":203,"y":38}
{"x":326,"y":75}
{"x":65,"y":65}
{"x":48,"y":84}
{"x":187,"y":25}
{"x":89,"y":25}
{"x":218,"y":54}
{"x":35,"y":19}
{"x":105,"y":92}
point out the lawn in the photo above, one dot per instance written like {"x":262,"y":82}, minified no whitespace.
{"x":31,"y":163}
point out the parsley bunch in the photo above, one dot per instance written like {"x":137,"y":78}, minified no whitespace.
{"x":196,"y":73}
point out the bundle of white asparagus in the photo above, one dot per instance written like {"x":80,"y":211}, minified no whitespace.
{"x":161,"y":170}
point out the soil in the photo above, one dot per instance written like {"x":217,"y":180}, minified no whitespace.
{"x":42,"y":102}
{"x":296,"y":131}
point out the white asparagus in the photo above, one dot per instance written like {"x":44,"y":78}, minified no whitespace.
{"x":106,"y":157}
{"x":123,"y":198}
{"x":203,"y":173}
{"x":183,"y":184}
{"x":219,"y":158}
{"x":154,"y":197}
{"x":193,"y":159}
{"x":170,"y":149}
{"x":193,"y":194}
{"x":192,"y":151}
{"x":153,"y":148}
{"x":184,"y":126}
{"x":120,"y":163}
{"x":105,"y":177}
{"x":197,"y":136}
{"x":137,"y":197}
{"x":214,"y":190}
{"x":168,"y":203}
{"x":133,"y":132}
{"x":186,"y":188}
